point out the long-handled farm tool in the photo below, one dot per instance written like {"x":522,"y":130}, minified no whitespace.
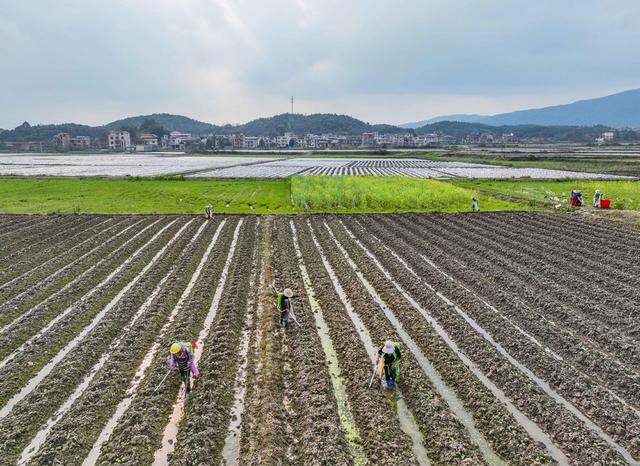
{"x":155,"y":390}
{"x":373,"y":376}
{"x":293,"y":316}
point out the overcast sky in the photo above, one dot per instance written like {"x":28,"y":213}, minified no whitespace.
{"x":229,"y":61}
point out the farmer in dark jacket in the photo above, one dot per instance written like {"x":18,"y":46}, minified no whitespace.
{"x":283,"y":304}
{"x":390,"y":353}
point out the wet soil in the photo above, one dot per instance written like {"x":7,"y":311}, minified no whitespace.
{"x":554,"y":328}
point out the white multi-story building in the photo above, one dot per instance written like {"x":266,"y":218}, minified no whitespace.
{"x":119,"y":140}
{"x":178,"y":140}
{"x":251,"y":142}
{"x":283,"y":141}
{"x":608,"y":136}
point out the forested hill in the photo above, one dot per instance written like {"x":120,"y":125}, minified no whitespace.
{"x":168,"y":121}
{"x":319,"y":123}
{"x":163,"y":123}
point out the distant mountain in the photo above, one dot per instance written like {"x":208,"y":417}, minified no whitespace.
{"x":620,"y":110}
{"x":318,"y":123}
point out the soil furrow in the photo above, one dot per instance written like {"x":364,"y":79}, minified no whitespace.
{"x":510,"y":277}
{"x":231,"y":450}
{"x":264,"y":433}
{"x":146,"y":354}
{"x":122,"y":339}
{"x":337,"y":381}
{"x":40,"y":242}
{"x":49,"y":340}
{"x":620,"y":388}
{"x":32,"y":228}
{"x":29,"y":262}
{"x":139,"y":430}
{"x":505,"y":375}
{"x":574,"y":285}
{"x":446,"y":439}
{"x":62,"y":374}
{"x":49,"y":231}
{"x":316,"y":436}
{"x":23,"y":321}
{"x":39,"y":277}
{"x":201,"y":437}
{"x":356,"y":355}
{"x":548,"y":372}
{"x":170,"y":434}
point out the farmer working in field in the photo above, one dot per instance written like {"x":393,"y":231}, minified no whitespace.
{"x":474,"y":204}
{"x":390,"y":353}
{"x":597,"y":197}
{"x":283,"y":304}
{"x":182,"y":357}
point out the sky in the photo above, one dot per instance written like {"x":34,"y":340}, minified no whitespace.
{"x":383,"y":61}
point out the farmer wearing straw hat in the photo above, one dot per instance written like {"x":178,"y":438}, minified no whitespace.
{"x":182,"y":357}
{"x":391,"y":355}
{"x":283,"y":304}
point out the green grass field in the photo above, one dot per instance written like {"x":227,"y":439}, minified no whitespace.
{"x":297,"y":194}
{"x":103,"y":195}
{"x":309,"y":194}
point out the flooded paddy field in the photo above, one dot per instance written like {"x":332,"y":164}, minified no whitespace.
{"x":164,"y":164}
{"x":516,"y":349}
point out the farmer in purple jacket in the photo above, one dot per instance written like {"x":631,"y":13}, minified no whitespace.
{"x":182,"y":357}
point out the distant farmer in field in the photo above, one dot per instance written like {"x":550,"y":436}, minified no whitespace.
{"x":391,"y":355}
{"x":597,"y":197}
{"x":182,"y":357}
{"x":576,"y":198}
{"x":208,"y":212}
{"x":283,"y":304}
{"x":474,"y":204}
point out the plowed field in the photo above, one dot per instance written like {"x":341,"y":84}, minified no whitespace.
{"x":519,"y":331}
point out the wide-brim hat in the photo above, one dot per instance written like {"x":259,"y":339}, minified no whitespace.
{"x":388,"y":347}
{"x":288,"y":293}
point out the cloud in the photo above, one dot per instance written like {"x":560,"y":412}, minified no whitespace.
{"x":232,"y":60}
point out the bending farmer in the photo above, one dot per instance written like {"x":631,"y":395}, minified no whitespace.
{"x":391,"y":355}
{"x":182,"y":357}
{"x":283,"y":304}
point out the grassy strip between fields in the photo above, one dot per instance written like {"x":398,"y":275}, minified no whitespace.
{"x":297,"y":194}
{"x":291,"y":195}
{"x":624,"y":194}
{"x":387,"y":194}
